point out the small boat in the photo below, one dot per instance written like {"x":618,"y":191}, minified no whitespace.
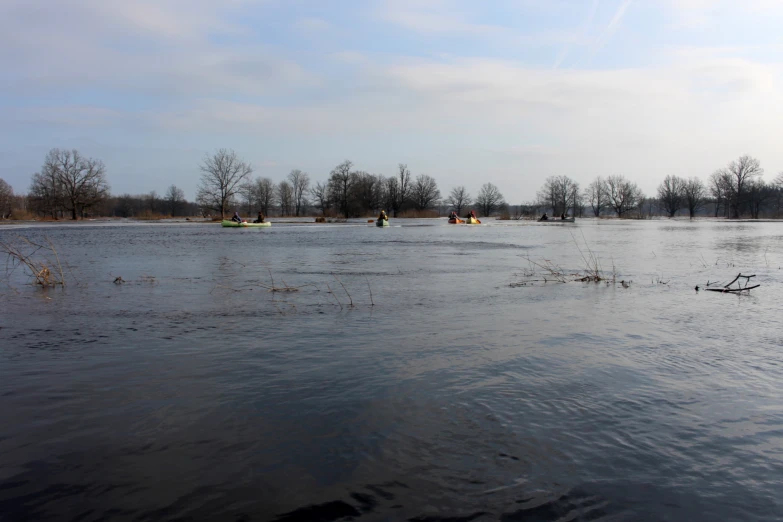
{"x":542,"y":219}
{"x":455,"y":221}
{"x":551,"y":220}
{"x":473,"y":221}
{"x":228,"y":223}
{"x":382,"y":223}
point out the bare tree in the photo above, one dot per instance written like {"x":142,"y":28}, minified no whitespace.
{"x":340,"y":184}
{"x":670,"y":194}
{"x":758,"y":194}
{"x":559,"y":193}
{"x":777,"y":183}
{"x":6,"y":199}
{"x":424,"y":192}
{"x":391,"y":194}
{"x":320,"y":194}
{"x":742,"y":171}
{"x":300,"y":183}
{"x":264,"y":194}
{"x":695,"y":194}
{"x":398,"y":191}
{"x":222,"y":175}
{"x":368,"y":192}
{"x":285,"y":198}
{"x":259,"y":194}
{"x":71,"y":181}
{"x":153,"y":201}
{"x":623,"y":195}
{"x":175,"y":200}
{"x":458,"y":199}
{"x":45,"y":193}
{"x":720,"y":186}
{"x":489,"y":199}
{"x":596,"y":195}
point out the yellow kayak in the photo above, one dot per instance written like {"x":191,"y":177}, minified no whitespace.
{"x":472,"y":221}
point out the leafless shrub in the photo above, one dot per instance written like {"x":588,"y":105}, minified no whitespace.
{"x":39,"y":261}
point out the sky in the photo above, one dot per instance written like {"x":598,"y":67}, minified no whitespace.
{"x":505,"y":91}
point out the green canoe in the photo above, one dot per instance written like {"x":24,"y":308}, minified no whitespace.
{"x":382,"y":223}
{"x":227,"y":223}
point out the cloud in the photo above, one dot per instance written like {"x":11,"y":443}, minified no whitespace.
{"x":447,"y":85}
{"x":707,"y":14}
{"x":71,"y":116}
{"x":161,"y":48}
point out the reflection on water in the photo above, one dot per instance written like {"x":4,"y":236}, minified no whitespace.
{"x":441,"y":394}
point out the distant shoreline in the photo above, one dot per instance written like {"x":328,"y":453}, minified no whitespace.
{"x":9,"y":223}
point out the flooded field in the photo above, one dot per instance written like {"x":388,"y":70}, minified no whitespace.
{"x":403,"y":373}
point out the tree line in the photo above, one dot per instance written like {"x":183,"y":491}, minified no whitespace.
{"x":70,"y":185}
{"x":734,"y":191}
{"x":227,"y":183}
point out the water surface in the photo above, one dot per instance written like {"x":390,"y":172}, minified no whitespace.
{"x":406,"y":378}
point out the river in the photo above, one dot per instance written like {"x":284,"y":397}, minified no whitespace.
{"x":418,"y":372}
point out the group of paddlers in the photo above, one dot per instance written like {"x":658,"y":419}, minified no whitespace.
{"x":546,"y":218}
{"x":454,"y":215}
{"x":238,"y":219}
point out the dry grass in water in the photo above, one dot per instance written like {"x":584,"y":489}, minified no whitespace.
{"x":286,"y":289}
{"x":545,"y":271}
{"x":39,"y":261}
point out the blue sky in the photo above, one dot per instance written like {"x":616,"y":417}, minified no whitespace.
{"x":508,"y":91}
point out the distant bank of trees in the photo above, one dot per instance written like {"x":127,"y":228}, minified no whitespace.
{"x":71,"y":186}
{"x":734,"y":191}
{"x":227,"y":183}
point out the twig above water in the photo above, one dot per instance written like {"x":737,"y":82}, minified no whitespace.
{"x":739,"y":288}
{"x":372,"y":303}
{"x":346,"y":290}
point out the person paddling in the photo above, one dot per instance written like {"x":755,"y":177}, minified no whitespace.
{"x":260,"y":218}
{"x":382,"y":216}
{"x":236,"y":217}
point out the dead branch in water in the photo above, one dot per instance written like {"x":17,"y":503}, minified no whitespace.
{"x":739,"y":288}
{"x":34,"y":259}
